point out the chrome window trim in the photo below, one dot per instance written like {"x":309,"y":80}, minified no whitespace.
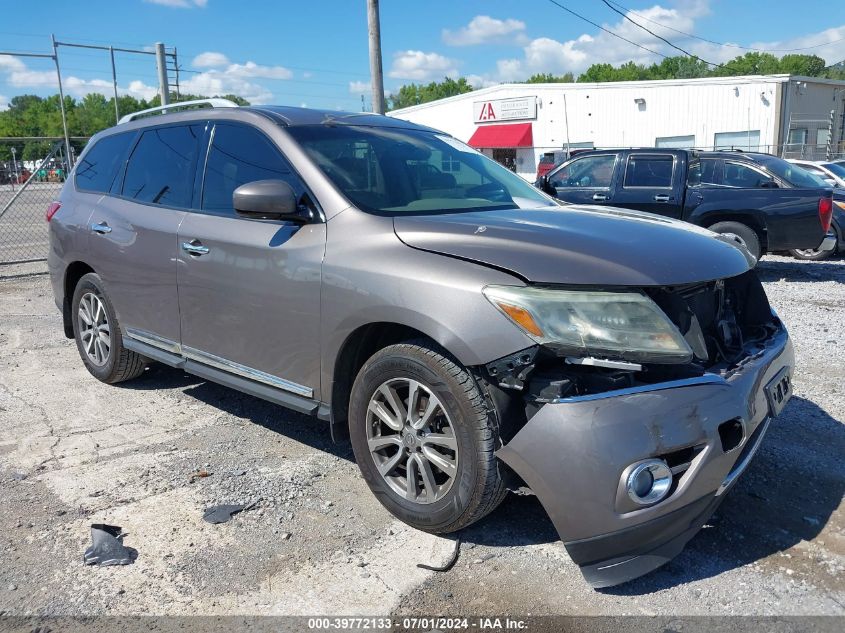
{"x":205,"y":358}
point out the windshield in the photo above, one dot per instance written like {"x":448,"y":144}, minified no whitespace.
{"x":794,"y":174}
{"x":836,"y":168}
{"x":394,"y":171}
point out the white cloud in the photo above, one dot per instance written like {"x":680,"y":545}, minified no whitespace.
{"x":251,"y":69}
{"x":359,"y":87}
{"x":180,"y":4}
{"x":4,"y":102}
{"x":483,"y":29}
{"x":547,"y":55}
{"x":9,"y":64}
{"x":421,"y":66}
{"x":210,"y":59}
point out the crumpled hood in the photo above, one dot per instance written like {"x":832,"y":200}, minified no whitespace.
{"x":584,"y":245}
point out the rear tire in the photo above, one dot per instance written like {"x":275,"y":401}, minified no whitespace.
{"x":98,"y":335}
{"x":744,"y":235}
{"x":459,"y":434}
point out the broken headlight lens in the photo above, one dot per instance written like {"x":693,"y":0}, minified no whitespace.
{"x":619,"y":325}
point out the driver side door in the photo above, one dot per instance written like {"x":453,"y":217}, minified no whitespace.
{"x":586,"y":180}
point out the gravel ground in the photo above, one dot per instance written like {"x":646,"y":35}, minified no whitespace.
{"x":75,"y":452}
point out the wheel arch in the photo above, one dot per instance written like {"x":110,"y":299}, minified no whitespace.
{"x":73,"y":273}
{"x":752,"y":220}
{"x":358,"y":346}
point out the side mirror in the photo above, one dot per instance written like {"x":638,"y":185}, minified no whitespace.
{"x":268,"y":200}
{"x":547,"y":187}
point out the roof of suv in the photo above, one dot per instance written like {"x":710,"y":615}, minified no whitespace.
{"x":290,"y":116}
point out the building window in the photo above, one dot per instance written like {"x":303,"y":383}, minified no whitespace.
{"x":678,"y":142}
{"x":822,"y":137}
{"x":798,"y":136}
{"x":747,"y":140}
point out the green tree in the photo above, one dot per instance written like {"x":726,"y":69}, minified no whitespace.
{"x":413,"y":94}
{"x":808,"y":65}
{"x":549,"y":78}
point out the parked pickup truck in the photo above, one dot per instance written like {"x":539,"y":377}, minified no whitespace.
{"x":745,"y":195}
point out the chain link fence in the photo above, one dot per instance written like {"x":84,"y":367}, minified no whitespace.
{"x":32,"y":172}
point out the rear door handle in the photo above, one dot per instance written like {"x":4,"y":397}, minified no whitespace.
{"x":599,"y":197}
{"x":194,"y":247}
{"x":661,"y":197}
{"x":101,"y":228}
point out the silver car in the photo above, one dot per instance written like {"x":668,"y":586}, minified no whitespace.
{"x":468,"y":334}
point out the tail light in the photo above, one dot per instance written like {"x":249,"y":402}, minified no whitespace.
{"x":55,"y":206}
{"x":825,"y":213}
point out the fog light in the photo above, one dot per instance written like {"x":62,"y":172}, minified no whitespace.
{"x":649,"y":482}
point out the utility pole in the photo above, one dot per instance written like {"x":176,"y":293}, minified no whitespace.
{"x":62,"y":104}
{"x":161,"y":66}
{"x":376,"y":77}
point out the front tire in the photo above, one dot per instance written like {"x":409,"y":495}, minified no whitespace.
{"x":744,"y":235}
{"x":424,"y":438}
{"x":98,"y":335}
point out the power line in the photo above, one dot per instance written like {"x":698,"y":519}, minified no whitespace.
{"x":745,"y":48}
{"x":608,"y":31}
{"x":677,"y":48}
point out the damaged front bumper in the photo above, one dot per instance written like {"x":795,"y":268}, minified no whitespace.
{"x":575,"y":453}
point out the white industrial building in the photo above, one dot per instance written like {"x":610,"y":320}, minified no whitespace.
{"x":517,"y":123}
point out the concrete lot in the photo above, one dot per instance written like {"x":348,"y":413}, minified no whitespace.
{"x":75,"y":452}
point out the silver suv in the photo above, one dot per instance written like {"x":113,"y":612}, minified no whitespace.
{"x":469,"y":334}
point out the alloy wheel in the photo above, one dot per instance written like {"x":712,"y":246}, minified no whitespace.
{"x":94,"y":328}
{"x":412,"y":440}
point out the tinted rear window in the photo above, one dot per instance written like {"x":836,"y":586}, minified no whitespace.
{"x":161,"y":168}
{"x":649,"y":171}
{"x":99,"y":165}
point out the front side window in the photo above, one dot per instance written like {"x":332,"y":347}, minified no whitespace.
{"x":649,"y":170}
{"x":161,"y":168}
{"x":590,"y":171}
{"x":744,"y":176}
{"x":391,"y":171}
{"x":239,"y":155}
{"x":99,"y":165}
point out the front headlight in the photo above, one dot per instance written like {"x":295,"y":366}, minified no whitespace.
{"x":621,"y":325}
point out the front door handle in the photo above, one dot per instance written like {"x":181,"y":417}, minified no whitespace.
{"x":599,"y":197}
{"x":101,"y":228}
{"x":661,"y":197}
{"x":194,"y":247}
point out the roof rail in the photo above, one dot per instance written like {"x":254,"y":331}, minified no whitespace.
{"x":214,"y":103}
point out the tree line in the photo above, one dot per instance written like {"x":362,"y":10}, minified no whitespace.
{"x":34,"y":116}
{"x":678,"y":67}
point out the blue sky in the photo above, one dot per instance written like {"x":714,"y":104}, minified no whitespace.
{"x":315,"y":53}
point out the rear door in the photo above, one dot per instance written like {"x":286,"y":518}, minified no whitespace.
{"x":586,"y":180}
{"x":249,"y":290}
{"x":652,"y":181}
{"x":133,"y":230}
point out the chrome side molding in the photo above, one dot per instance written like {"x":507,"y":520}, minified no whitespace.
{"x":217,"y":362}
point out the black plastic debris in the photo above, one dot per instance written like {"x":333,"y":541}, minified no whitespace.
{"x":107,"y":547}
{"x":449,"y":563}
{"x":222,"y":513}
